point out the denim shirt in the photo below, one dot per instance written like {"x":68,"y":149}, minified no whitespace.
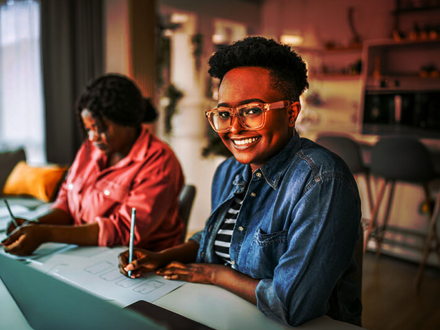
{"x":296,"y":231}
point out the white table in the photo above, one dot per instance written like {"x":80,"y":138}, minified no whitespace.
{"x":206,"y":304}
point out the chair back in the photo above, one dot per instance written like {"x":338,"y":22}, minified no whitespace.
{"x":403,"y":159}
{"x":186,"y":201}
{"x":345,"y":148}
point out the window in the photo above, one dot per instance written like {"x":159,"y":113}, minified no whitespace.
{"x":21,"y":91}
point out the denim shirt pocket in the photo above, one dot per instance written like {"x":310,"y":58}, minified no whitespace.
{"x":265,"y":252}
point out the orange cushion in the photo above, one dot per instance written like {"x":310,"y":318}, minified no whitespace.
{"x":39,"y":182}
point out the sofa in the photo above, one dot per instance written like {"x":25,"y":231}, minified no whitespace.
{"x":28,"y":189}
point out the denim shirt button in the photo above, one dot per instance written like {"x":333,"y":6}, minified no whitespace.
{"x":202,"y":254}
{"x":253,"y":194}
{"x":258,"y":175}
{"x":240,"y":228}
{"x":232,"y":262}
{"x":209,"y":229}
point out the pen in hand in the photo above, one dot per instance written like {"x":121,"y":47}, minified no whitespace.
{"x":130,"y":248}
{"x":10,"y":212}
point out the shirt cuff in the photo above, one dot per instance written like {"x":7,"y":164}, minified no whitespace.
{"x":268,"y":302}
{"x":60,"y":206}
{"x":106,"y":235}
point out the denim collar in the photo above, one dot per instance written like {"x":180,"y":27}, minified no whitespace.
{"x":273,"y":170}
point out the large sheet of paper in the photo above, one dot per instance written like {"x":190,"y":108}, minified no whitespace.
{"x":100,"y":275}
{"x":42,"y":251}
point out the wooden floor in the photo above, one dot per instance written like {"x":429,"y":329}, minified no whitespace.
{"x":389,"y":297}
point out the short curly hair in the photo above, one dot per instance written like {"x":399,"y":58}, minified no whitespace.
{"x":116,"y":98}
{"x":287,"y":69}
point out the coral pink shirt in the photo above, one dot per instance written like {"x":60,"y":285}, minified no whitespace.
{"x":149,"y":178}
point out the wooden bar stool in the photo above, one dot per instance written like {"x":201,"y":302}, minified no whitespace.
{"x":408,"y":160}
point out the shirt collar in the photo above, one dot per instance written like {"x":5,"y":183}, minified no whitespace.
{"x":273,"y":170}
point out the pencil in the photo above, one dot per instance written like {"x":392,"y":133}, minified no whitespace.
{"x":10,"y":212}
{"x":130,"y":248}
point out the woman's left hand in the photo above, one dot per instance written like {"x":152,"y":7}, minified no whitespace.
{"x":25,"y":240}
{"x":196,"y":273}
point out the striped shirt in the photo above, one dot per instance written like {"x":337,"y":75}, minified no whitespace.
{"x":224,"y":235}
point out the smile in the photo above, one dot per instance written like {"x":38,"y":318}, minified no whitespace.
{"x":245,"y":142}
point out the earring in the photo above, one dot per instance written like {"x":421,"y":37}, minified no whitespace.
{"x":290,"y":122}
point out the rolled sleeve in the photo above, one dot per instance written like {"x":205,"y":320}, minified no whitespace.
{"x":197,"y":237}
{"x":61,"y":201}
{"x":107,"y":231}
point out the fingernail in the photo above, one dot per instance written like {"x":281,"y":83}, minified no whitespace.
{"x":128,"y":267}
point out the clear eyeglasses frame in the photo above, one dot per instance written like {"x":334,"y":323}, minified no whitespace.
{"x":252,"y":116}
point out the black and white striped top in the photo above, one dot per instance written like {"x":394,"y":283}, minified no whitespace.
{"x":224,"y":235}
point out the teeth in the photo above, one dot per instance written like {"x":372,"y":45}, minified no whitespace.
{"x":245,"y":141}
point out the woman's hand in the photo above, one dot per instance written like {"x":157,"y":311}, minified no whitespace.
{"x":143,"y":261}
{"x":11,"y":227}
{"x":25,"y":240}
{"x":196,"y":273}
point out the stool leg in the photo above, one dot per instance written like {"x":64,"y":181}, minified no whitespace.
{"x":432,"y":234}
{"x":385,"y":220}
{"x":370,"y":196}
{"x":375,"y":212}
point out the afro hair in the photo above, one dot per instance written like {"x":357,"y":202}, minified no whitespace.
{"x":287,"y":69}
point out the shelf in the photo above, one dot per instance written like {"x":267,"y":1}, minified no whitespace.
{"x":336,"y":49}
{"x":415,"y":10}
{"x":336,"y":76}
{"x":384,"y":43}
{"x":356,"y":48}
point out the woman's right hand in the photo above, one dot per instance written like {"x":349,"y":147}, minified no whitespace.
{"x":143,"y":261}
{"x":11,"y":227}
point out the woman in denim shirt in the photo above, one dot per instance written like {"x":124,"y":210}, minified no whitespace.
{"x":292,"y":246}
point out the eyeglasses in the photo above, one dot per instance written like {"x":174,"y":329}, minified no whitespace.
{"x":252,"y":116}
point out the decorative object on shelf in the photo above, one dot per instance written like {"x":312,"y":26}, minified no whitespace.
{"x":356,"y":68}
{"x":173,"y":95}
{"x":407,"y":8}
{"x":429,"y":71}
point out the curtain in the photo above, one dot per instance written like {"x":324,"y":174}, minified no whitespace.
{"x":21,"y":94}
{"x":72,"y":48}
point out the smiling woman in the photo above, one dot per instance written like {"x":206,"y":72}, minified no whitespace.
{"x":119,"y":166}
{"x":285,"y":211}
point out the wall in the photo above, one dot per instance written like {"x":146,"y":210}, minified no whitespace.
{"x":117,"y":36}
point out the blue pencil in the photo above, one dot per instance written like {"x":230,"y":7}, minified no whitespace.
{"x":130,"y":248}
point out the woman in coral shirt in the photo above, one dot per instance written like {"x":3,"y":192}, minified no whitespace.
{"x":120,"y":166}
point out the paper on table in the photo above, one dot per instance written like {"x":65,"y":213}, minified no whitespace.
{"x":100,"y":275}
{"x":43,"y":250}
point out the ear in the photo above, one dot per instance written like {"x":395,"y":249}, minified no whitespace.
{"x":294,"y":110}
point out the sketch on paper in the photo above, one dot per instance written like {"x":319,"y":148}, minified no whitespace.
{"x":99,"y":274}
{"x":145,"y":286}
